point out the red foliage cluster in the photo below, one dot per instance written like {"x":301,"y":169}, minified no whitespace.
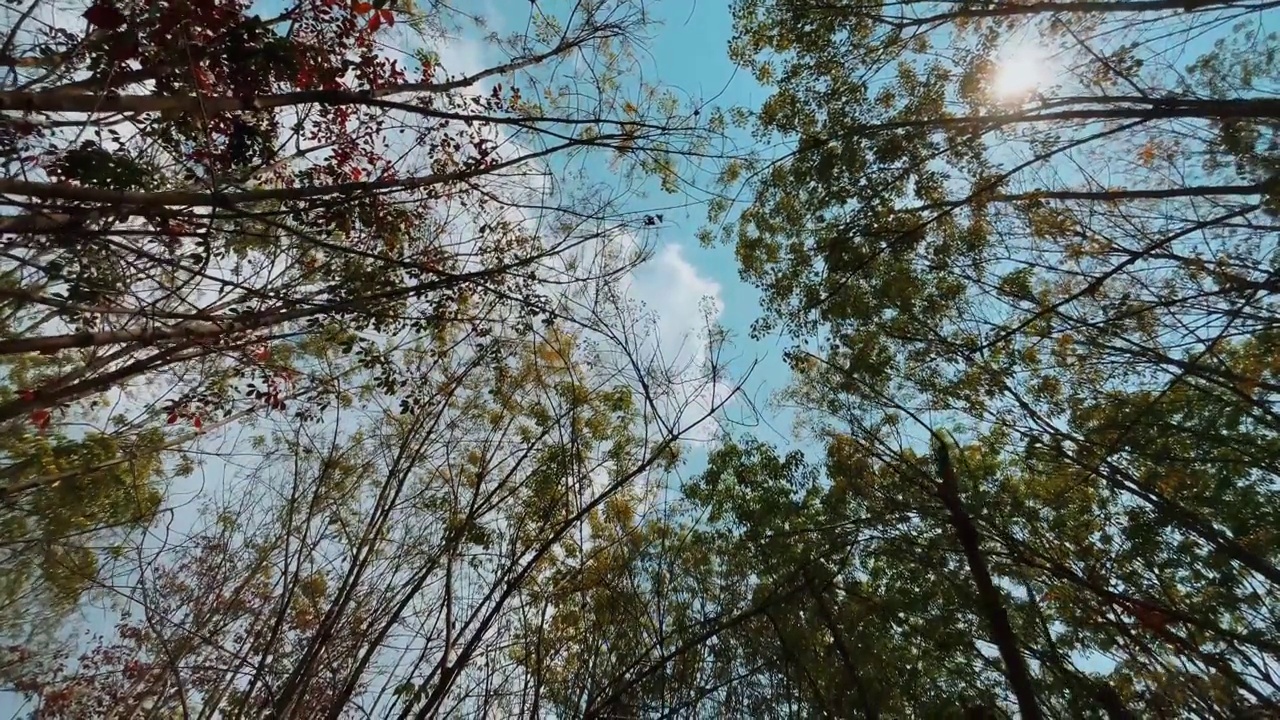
{"x":283,"y":82}
{"x":40,"y":417}
{"x":213,"y":48}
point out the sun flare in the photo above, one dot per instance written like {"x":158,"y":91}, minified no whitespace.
{"x":1018,"y":73}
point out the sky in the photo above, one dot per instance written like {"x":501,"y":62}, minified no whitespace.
{"x":686,"y":51}
{"x":690,"y":52}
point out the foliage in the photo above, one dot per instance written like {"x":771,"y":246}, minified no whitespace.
{"x":62,"y":490}
{"x":215,"y":218}
{"x":1076,"y":277}
{"x":1033,"y":337}
{"x":381,"y":567}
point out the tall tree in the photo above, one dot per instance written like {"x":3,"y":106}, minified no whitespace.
{"x":380,"y":565}
{"x":1074,"y":271}
{"x":212,"y":216}
{"x":891,"y":585}
{"x":965,"y":244}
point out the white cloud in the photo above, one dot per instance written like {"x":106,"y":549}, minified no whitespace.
{"x":464,"y":56}
{"x":683,"y":306}
{"x":675,"y":290}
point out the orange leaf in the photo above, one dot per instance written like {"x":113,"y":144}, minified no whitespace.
{"x":1147,"y":155}
{"x":361,"y":8}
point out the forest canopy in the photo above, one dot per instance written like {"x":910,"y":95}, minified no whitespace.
{"x":324,"y":391}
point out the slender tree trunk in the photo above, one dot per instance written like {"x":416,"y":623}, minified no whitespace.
{"x":990,"y":603}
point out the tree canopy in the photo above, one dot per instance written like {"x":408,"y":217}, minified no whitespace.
{"x":1071,"y":272}
{"x":322,"y":394}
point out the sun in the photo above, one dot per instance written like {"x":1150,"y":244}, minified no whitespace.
{"x":1019,"y":72}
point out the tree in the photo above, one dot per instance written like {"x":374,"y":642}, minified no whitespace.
{"x":951,"y":236}
{"x":380,"y":567}
{"x":213,"y":217}
{"x":243,"y":243}
{"x":1076,"y":278}
{"x":853,"y":589}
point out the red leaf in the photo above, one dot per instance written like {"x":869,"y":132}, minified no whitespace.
{"x":375,"y":22}
{"x":196,"y":422}
{"x":173,"y":418}
{"x":104,"y":15}
{"x":40,"y":418}
{"x":361,"y":8}
{"x":388,"y":17}
{"x":262,"y":354}
{"x":27,"y":395}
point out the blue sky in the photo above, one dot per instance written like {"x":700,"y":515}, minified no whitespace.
{"x":694,"y":51}
{"x":690,"y":52}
